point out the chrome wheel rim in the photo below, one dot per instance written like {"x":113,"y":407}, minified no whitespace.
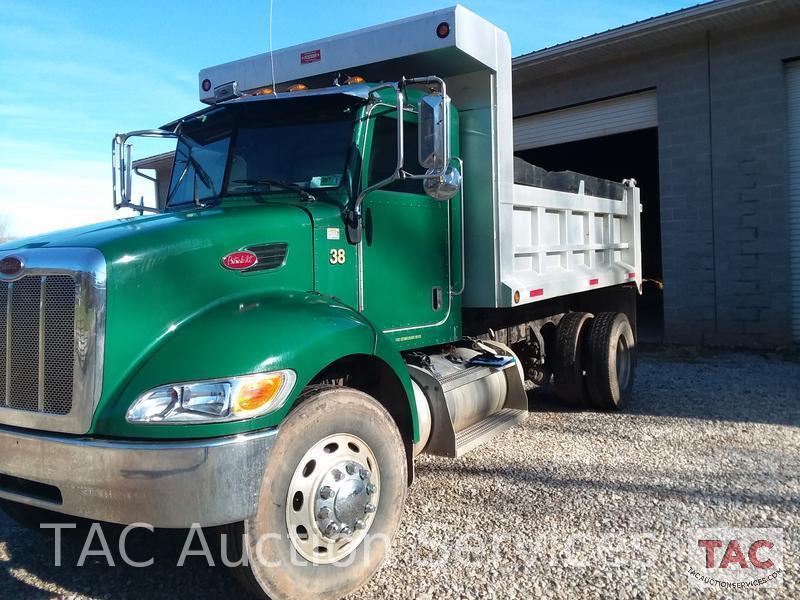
{"x":333,"y":498}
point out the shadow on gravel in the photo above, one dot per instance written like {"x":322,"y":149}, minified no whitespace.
{"x":706,"y":390}
{"x":28,"y":561}
{"x":524,"y":477}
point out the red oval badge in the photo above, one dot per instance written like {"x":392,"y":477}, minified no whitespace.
{"x":238,"y":261}
{"x":10,"y":266}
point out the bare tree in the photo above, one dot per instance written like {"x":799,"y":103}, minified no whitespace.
{"x":5,"y":230}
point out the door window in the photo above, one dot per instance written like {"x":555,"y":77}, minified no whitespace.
{"x":383,"y":155}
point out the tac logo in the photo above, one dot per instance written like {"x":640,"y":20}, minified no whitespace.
{"x":733,"y":558}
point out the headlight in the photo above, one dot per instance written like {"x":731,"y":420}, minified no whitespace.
{"x":215,"y":400}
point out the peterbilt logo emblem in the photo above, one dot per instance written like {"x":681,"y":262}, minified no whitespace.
{"x":11,"y":266}
{"x":238,"y":261}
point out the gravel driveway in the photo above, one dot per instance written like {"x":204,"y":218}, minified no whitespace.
{"x":570,"y":504}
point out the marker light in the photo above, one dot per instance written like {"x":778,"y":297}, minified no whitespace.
{"x":214,"y":401}
{"x":354,"y":80}
{"x":250,"y":397}
{"x":443,"y":29}
{"x":298,"y":87}
{"x":206,"y":85}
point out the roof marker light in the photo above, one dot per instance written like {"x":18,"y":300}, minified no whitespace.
{"x":297,"y":87}
{"x":354,"y":80}
{"x":443,"y":30}
{"x":206,"y":85}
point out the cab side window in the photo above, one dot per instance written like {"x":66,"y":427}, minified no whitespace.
{"x":383,"y":156}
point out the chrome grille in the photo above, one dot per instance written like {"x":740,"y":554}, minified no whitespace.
{"x":37,"y":343}
{"x":59,"y":335}
{"x":52,"y":338}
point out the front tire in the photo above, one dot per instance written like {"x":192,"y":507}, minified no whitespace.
{"x":331,"y":499}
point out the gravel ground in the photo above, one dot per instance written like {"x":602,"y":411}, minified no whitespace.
{"x":570,"y":504}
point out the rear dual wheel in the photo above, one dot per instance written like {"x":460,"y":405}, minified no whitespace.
{"x":611,"y":351}
{"x":595,"y":359}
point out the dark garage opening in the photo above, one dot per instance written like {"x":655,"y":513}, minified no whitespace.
{"x":617,"y":157}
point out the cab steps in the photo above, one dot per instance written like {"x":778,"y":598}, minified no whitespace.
{"x":483,"y":431}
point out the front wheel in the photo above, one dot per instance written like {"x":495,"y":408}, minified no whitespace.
{"x":331,"y":499}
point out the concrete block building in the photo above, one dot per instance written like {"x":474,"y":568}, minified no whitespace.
{"x":702,"y":107}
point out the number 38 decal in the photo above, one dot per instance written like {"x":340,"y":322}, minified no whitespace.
{"x":338,"y":256}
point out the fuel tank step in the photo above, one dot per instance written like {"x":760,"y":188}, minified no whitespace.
{"x":483,"y":431}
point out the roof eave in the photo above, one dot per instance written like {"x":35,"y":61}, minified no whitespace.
{"x":656,"y":24}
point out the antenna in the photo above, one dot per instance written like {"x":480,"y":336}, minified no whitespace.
{"x":271,"y":59}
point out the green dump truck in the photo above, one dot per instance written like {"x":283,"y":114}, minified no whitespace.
{"x":346,"y":267}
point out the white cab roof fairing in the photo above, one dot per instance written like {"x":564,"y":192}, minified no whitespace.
{"x":410,"y":44}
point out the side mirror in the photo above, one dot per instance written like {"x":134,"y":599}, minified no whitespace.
{"x":122,"y":169}
{"x":443,"y":187}
{"x":434,"y":134}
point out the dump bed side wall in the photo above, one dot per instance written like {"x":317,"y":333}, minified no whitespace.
{"x":565,"y":243}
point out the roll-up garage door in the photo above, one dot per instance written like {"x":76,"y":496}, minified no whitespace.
{"x":596,"y":119}
{"x":793,"y":130}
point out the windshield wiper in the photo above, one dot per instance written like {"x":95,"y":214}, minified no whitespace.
{"x":286,"y":185}
{"x":200,"y":172}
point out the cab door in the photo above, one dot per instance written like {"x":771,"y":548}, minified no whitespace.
{"x":405,"y":244}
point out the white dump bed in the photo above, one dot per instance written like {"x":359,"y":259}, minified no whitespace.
{"x":567,"y":240}
{"x":537,"y":242}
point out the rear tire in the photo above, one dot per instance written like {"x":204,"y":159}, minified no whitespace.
{"x":611,"y":361}
{"x":328,"y":451}
{"x":568,"y":363}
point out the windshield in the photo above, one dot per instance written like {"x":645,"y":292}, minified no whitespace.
{"x":200,"y":159}
{"x":263,"y":147}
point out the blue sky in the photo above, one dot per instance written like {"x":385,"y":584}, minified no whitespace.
{"x":73,"y":73}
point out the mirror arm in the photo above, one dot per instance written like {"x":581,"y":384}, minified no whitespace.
{"x":353,"y":219}
{"x":125,"y":167}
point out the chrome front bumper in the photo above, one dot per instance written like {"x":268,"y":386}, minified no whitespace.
{"x":166,"y":484}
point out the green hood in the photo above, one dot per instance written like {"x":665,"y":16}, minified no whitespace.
{"x":165,"y":270}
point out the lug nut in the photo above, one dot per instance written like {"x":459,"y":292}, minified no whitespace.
{"x":337,"y":475}
{"x":371,"y":489}
{"x":324,"y":513}
{"x":369,"y":507}
{"x":332,"y":529}
{"x":359,"y":524}
{"x":350,"y":468}
{"x":326,"y":493}
{"x":363,"y":473}
{"x":346,"y":530}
